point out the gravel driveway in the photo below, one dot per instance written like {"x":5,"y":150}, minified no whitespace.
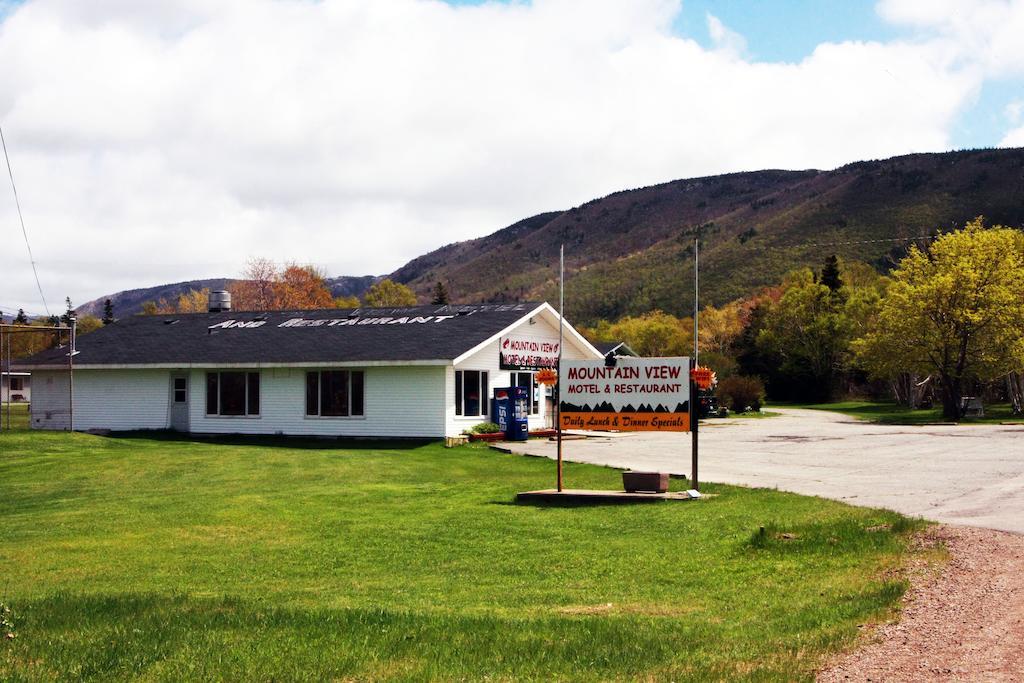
{"x":967,"y":475}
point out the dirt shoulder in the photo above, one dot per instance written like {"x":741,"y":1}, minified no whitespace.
{"x":963,"y":623}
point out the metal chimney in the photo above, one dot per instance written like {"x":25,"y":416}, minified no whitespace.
{"x":220,"y":301}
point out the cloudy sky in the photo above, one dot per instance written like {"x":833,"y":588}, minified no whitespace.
{"x":169,"y":140}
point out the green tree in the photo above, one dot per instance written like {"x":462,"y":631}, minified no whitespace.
{"x":830,"y":274}
{"x":654,"y":334}
{"x":753,"y":359}
{"x":388,"y":293}
{"x":954,"y":312}
{"x":440,"y":294}
{"x":87,"y":323}
{"x":346,"y":302}
{"x":810,"y":330}
{"x":21,"y":318}
{"x":69,"y":313}
{"x":108,"y":312}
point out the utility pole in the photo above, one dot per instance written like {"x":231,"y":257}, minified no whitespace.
{"x":8,"y":340}
{"x":558,"y":377}
{"x":71,"y":373}
{"x":694,"y":389}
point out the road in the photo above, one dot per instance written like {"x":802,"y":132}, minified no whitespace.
{"x":969,"y":475}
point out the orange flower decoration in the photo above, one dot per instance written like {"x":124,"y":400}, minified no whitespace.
{"x":547,"y":376}
{"x":704,"y":378}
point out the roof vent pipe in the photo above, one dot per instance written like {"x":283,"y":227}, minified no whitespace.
{"x":220,"y":301}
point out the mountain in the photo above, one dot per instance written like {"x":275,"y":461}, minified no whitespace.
{"x":130,"y":302}
{"x":632,"y":251}
{"x":352,"y":285}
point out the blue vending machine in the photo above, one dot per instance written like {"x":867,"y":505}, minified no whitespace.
{"x":511,"y":411}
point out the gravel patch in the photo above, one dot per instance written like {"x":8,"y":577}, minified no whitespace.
{"x":962,"y":623}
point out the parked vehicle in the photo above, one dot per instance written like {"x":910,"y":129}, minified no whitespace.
{"x":709,"y":407}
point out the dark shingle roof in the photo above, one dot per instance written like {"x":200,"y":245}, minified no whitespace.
{"x":621,"y":348}
{"x":321,"y":336}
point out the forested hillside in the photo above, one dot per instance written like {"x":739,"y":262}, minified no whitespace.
{"x":130,"y":302}
{"x":632,"y":251}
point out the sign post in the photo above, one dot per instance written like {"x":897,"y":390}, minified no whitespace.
{"x":694,"y":443}
{"x":558,"y":368}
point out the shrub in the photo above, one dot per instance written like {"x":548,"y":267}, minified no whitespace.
{"x":485,"y":428}
{"x":739,"y":393}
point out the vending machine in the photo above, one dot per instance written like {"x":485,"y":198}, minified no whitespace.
{"x":511,"y":410}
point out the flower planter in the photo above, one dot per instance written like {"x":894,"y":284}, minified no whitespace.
{"x":645,"y":482}
{"x":497,"y":436}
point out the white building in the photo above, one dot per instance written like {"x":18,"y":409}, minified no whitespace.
{"x":15,"y":387}
{"x":423,"y":371}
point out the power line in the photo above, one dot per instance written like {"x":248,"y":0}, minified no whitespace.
{"x":840,"y":244}
{"x":24,"y":232}
{"x":12,"y":311}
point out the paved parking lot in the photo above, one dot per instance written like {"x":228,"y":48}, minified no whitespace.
{"x":970,"y":475}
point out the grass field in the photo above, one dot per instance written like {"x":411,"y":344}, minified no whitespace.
{"x":752,"y":415}
{"x":159,"y":559}
{"x":18,"y":416}
{"x":889,"y":412}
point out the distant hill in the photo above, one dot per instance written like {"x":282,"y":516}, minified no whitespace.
{"x":130,"y":302}
{"x":352,"y":285}
{"x":632,"y":251}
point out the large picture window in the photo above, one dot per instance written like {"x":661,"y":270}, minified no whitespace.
{"x":471,"y":393}
{"x":233,"y":393}
{"x":526,"y":379}
{"x":334,"y":393}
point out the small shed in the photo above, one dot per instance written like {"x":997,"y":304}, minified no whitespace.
{"x":15,"y":387}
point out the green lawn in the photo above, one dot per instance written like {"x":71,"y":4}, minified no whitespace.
{"x":890,"y":412}
{"x":160,"y":559}
{"x":754,"y":415}
{"x":18,"y":416}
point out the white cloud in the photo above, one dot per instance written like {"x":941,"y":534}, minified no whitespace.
{"x":985,"y":34}
{"x":725,"y":38}
{"x":1015,"y":138}
{"x":1014,"y":110}
{"x":168,"y":140}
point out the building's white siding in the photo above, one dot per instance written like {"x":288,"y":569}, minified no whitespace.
{"x":399,"y":401}
{"x":50,"y":407}
{"x":121,"y":400}
{"x":405,"y":401}
{"x":104,"y":399}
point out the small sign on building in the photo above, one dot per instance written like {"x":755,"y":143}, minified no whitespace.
{"x":636,"y":394}
{"x":523,"y":353}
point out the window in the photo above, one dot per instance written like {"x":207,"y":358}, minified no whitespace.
{"x":17,"y":383}
{"x":526,"y":379}
{"x":471,"y":393}
{"x":231,"y":393}
{"x":180,"y":389}
{"x":334,"y":393}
